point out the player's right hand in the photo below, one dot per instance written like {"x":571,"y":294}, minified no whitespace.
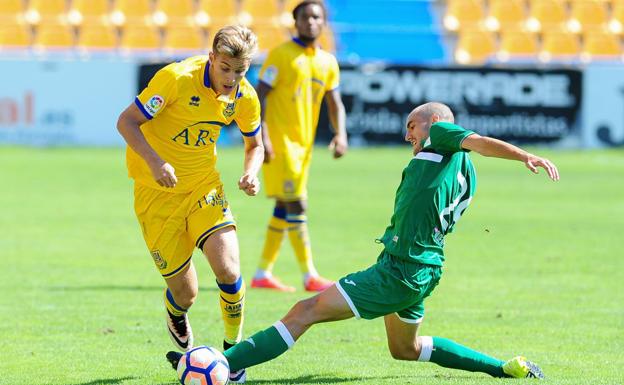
{"x":165,"y":175}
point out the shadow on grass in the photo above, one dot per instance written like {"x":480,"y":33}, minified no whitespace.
{"x":118,"y":288}
{"x":320,"y":379}
{"x":107,"y":381}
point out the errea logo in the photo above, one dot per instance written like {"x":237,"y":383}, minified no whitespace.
{"x":194,"y":101}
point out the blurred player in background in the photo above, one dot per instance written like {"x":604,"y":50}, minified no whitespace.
{"x":436,"y":188}
{"x":171,"y":130}
{"x":294,"y":79}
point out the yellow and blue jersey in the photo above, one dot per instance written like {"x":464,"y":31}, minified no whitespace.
{"x":299,"y":77}
{"x":185,"y":119}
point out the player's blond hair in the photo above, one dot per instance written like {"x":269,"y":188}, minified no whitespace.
{"x":235,"y":41}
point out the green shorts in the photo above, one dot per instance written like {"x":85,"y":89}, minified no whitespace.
{"x":392,"y":285}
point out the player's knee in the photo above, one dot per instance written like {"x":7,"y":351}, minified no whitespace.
{"x":404,"y":352}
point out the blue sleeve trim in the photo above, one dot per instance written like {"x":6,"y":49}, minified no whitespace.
{"x":143,"y":110}
{"x":232,"y":288}
{"x":253,"y":133}
{"x":334,"y":89}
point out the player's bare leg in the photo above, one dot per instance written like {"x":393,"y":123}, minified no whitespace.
{"x":179,"y":297}
{"x":263,"y":346}
{"x":405,"y":344}
{"x":278,"y":226}
{"x":221,"y":250}
{"x":300,"y":240}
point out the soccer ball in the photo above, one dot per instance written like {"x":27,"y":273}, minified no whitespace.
{"x":203,"y":366}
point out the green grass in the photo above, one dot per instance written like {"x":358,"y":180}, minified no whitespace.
{"x":533,"y":268}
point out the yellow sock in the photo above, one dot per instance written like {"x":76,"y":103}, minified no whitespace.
{"x":273,"y":242}
{"x":232,"y":300}
{"x":300,"y":241}
{"x":172,"y":306}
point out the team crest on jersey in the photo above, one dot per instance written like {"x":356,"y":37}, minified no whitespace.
{"x":160,"y":262}
{"x":229,"y":110}
{"x":289,"y":186}
{"x":154,"y":104}
{"x":269,"y":75}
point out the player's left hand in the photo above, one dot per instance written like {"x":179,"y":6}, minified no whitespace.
{"x":249,"y":184}
{"x":533,"y":162}
{"x":339,"y":146}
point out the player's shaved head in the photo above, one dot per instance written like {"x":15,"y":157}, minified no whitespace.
{"x":428,"y":110}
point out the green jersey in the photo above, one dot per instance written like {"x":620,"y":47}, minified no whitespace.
{"x":436,"y":187}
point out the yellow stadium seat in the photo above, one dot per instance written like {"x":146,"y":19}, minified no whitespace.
{"x":89,"y":11}
{"x":53,"y":36}
{"x":263,"y":11}
{"x":48,"y":11}
{"x":504,"y":14}
{"x":220,"y":9}
{"x":97,"y":37}
{"x":11,"y":11}
{"x":462,"y":13}
{"x":587,"y":15}
{"x":546,"y":14}
{"x":600,"y":45}
{"x":270,"y":36}
{"x":616,"y":23}
{"x":559,"y":44}
{"x":139,"y":37}
{"x":170,"y":12}
{"x":517,"y":44}
{"x":183,"y":39}
{"x":131,"y":12}
{"x":474,"y":46}
{"x":14,"y":36}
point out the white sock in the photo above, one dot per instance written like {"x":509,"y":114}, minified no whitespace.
{"x":426,"y":347}
{"x":260,"y":274}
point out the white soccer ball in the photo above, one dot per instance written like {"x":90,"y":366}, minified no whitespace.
{"x":203,"y":365}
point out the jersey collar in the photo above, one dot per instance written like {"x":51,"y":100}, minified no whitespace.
{"x":301,"y":44}
{"x":224,"y":98}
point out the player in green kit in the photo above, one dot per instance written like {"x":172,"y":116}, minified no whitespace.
{"x":436,"y":188}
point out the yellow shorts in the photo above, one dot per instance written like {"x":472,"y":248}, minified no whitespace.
{"x":286,"y":175}
{"x":174,"y":224}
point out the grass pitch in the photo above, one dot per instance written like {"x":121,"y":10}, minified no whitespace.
{"x":533,"y":268}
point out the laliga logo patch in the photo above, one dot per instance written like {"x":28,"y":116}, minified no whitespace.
{"x":154,"y":104}
{"x":160,"y":262}
{"x":270,"y":74}
{"x":229,"y":110}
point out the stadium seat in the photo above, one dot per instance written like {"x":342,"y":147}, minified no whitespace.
{"x":518,"y":45}
{"x":183,"y":40}
{"x":131,"y":12}
{"x":11,"y":11}
{"x":177,"y":12}
{"x":559,"y":44}
{"x":53,"y":37}
{"x":269,"y":36}
{"x":217,"y":13}
{"x":139,"y":38}
{"x":262,"y":11}
{"x":462,"y":13}
{"x":545,"y":14}
{"x":504,"y":14}
{"x":89,"y":11}
{"x":586,"y":15}
{"x":327,"y":40}
{"x":474,"y":46}
{"x":14,"y":36}
{"x":97,"y":38}
{"x":48,"y":11}
{"x":616,"y":23}
{"x":600,"y":45}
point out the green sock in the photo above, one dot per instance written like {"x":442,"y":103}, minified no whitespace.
{"x":261,"y":347}
{"x":450,"y":354}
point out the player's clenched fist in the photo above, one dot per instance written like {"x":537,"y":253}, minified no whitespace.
{"x":249,"y":184}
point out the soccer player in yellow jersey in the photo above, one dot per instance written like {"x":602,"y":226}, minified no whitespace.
{"x":171,"y":130}
{"x":294,"y":79}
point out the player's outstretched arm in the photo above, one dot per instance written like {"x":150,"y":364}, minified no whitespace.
{"x":487,"y":146}
{"x":254,"y":155}
{"x":129,"y":126}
